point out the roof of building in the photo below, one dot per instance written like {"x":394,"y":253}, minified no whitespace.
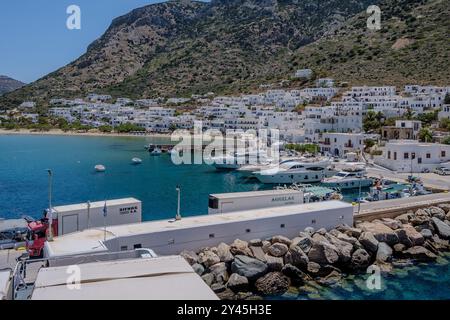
{"x":92,"y":240}
{"x":98,"y":204}
{"x":162,"y":278}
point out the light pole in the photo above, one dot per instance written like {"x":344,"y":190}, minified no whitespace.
{"x":50,"y":209}
{"x":178,"y":216}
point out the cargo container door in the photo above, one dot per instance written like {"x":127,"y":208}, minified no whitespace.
{"x":70,"y":224}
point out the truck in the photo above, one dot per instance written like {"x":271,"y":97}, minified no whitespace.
{"x":239,"y":201}
{"x":78,"y":217}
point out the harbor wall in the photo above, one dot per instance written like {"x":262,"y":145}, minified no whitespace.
{"x":167,"y":242}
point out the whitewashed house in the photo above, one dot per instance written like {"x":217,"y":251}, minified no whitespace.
{"x":303,"y":73}
{"x":413,"y":156}
{"x":338,"y":144}
{"x":445,"y":112}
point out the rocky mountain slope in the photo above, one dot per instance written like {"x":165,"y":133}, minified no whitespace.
{"x":185,"y":47}
{"x":8,"y":84}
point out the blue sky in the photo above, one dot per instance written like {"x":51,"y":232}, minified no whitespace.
{"x":34,"y":39}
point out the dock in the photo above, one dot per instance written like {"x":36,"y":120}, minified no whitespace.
{"x":391,"y":208}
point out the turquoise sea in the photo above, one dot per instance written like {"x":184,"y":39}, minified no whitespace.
{"x":24,"y":185}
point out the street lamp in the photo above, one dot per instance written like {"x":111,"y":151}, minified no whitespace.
{"x":50,"y":210}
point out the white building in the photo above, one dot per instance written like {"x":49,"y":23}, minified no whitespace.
{"x":304,"y":73}
{"x":445,"y":112}
{"x":338,"y":144}
{"x":413,"y":156}
{"x":325,"y":82}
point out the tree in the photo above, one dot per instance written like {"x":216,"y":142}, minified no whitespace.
{"x":409,"y":114}
{"x":372,"y":121}
{"x":446,"y":140}
{"x":447,"y":98}
{"x":105,"y":129}
{"x":425,"y":135}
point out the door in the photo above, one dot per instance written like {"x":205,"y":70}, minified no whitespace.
{"x":70,"y":224}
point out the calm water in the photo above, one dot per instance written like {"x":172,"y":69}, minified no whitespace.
{"x":418,"y":282}
{"x":23,"y":190}
{"x":24,"y":181}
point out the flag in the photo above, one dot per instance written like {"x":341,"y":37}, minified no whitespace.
{"x":105,"y":210}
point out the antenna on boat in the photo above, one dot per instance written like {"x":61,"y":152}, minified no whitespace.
{"x":178,"y":216}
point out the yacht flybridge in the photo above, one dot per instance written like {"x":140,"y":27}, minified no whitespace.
{"x":350,"y":177}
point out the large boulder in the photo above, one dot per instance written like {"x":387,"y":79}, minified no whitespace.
{"x":384,"y":252}
{"x":296,"y":257}
{"x":368,"y":240}
{"x":413,"y":237}
{"x":278,"y":249}
{"x":208,"y":278}
{"x":237,"y":283}
{"x":295,"y":274}
{"x":190,"y":256}
{"x":330,"y":280}
{"x":198,"y":268}
{"x":255,"y":243}
{"x":420,"y":217}
{"x":360,"y":259}
{"x":281,"y":239}
{"x":240,"y":247}
{"x":323,"y":253}
{"x":272,"y":284}
{"x":420,"y":254}
{"x":442,"y":229}
{"x":305,"y":243}
{"x":437,"y":212}
{"x":248,"y":267}
{"x":344,"y":249}
{"x":208,"y":258}
{"x":404,"y":218}
{"x":258,"y":253}
{"x":445,"y":207}
{"x":274,"y":263}
{"x":219,"y":270}
{"x":391,"y":223}
{"x":224,"y":253}
{"x":380,"y":231}
{"x":426,"y":233}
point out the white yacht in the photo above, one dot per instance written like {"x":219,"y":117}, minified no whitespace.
{"x":100,"y":168}
{"x":238,"y":160}
{"x":136,"y":161}
{"x":349,"y":178}
{"x":306,"y":171}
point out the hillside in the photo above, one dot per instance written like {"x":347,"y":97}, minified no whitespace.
{"x":227,"y":46}
{"x":412,"y":47}
{"x":8,"y":84}
{"x":182,"y":47}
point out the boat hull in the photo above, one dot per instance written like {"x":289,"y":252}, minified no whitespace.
{"x":290,"y":178}
{"x":352,"y":184}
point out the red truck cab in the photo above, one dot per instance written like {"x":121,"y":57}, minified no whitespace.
{"x":37,"y":235}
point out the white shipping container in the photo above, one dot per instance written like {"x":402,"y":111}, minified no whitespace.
{"x":78,"y":217}
{"x":232,"y":202}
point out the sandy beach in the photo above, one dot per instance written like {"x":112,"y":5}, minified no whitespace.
{"x":92,"y":133}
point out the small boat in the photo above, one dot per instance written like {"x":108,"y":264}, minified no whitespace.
{"x":136,"y":160}
{"x":156,"y":152}
{"x":100,"y":168}
{"x":349,"y":178}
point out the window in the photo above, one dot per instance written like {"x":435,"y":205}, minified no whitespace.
{"x":314,"y":221}
{"x":389,"y":154}
{"x":428,"y":155}
{"x":137,"y":246}
{"x":282,"y":226}
{"x":395,"y":155}
{"x":413,"y":155}
{"x":123,"y":248}
{"x":406,"y":155}
{"x":442,"y":153}
{"x":248,"y":230}
{"x":212,"y":235}
{"x":419,"y":160}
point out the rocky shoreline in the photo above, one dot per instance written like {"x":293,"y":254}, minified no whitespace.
{"x":280,"y":267}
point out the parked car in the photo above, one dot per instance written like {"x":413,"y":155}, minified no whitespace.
{"x":442,"y":171}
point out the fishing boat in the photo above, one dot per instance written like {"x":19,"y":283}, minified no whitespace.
{"x":100,"y":168}
{"x":136,"y":161}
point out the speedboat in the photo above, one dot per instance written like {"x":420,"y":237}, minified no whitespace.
{"x":100,"y":168}
{"x":349,"y":178}
{"x":307,"y":171}
{"x":136,"y":161}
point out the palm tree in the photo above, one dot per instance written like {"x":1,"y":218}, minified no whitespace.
{"x":425,"y":135}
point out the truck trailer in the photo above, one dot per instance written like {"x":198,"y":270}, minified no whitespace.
{"x":78,"y":217}
{"x":238,"y":201}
